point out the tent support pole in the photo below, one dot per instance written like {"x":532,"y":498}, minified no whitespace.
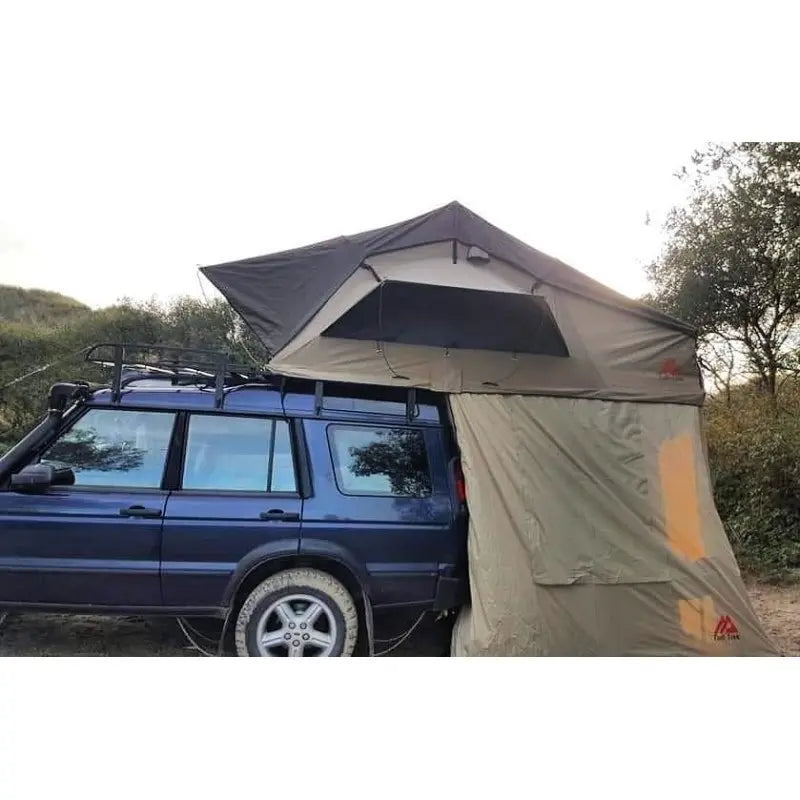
{"x":116,"y":377}
{"x":317,"y":398}
{"x":219,"y":381}
{"x":411,"y":404}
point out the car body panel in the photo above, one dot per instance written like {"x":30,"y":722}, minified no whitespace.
{"x":206,"y":535}
{"x":71,"y":545}
{"x":400,"y":540}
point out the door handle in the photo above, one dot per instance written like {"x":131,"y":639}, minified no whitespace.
{"x":140,"y":511}
{"x":279,"y":515}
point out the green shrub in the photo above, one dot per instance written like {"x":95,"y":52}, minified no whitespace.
{"x":754,"y":451}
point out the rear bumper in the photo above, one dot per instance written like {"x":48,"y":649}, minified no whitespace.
{"x":436,"y":591}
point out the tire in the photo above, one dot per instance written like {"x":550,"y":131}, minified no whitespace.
{"x":298,"y":612}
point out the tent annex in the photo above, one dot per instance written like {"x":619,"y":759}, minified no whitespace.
{"x":592,"y":523}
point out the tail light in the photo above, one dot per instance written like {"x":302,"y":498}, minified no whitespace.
{"x":460,"y":484}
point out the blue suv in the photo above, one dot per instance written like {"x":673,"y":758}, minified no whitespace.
{"x":288,"y":508}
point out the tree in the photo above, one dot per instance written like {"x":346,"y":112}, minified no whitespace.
{"x":731,"y":265}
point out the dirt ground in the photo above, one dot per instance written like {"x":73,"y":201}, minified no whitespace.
{"x":778,"y":608}
{"x":84,"y":635}
{"x":58,"y":635}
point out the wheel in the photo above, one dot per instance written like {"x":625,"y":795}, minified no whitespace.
{"x":298,"y":612}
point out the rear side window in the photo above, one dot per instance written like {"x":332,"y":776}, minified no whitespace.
{"x":115,"y":448}
{"x":380,"y":461}
{"x":245,"y":454}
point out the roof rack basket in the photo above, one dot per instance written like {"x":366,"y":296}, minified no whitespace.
{"x":212,"y":366}
{"x":191,"y":365}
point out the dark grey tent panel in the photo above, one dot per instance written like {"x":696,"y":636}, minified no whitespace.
{"x":278,"y":294}
{"x":452,"y":317}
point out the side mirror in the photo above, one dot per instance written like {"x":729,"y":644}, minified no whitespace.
{"x":38,"y":477}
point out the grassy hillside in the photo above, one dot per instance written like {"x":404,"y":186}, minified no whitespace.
{"x":38,"y":307}
{"x":39,"y":328}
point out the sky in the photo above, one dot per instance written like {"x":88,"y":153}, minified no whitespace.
{"x":135,"y":146}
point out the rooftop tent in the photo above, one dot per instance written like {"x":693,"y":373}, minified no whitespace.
{"x":592,"y":522}
{"x":449,"y":302}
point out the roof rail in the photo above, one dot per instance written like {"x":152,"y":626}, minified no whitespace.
{"x":212,"y":366}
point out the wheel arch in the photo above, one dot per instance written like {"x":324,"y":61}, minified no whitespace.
{"x":325,"y":556}
{"x":264,"y":562}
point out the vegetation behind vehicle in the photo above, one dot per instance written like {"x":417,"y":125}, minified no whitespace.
{"x":731,"y":267}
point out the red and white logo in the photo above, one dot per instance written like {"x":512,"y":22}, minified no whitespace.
{"x":726,"y":629}
{"x":669,"y":370}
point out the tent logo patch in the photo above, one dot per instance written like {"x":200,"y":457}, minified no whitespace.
{"x":669,"y":370}
{"x":726,"y":629}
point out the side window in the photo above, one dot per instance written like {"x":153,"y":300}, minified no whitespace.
{"x":380,"y":461}
{"x":283,"y":475}
{"x":245,"y":454}
{"x":115,"y":447}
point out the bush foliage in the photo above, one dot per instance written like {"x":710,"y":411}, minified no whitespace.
{"x":754,"y":451}
{"x":57,"y":338}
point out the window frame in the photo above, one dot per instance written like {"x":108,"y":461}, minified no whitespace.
{"x":95,"y":488}
{"x":184,"y":449}
{"x":370,"y":426}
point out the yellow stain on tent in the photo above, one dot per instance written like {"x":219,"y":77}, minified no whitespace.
{"x":681,"y":507}
{"x":679,"y":497}
{"x":699,"y":620}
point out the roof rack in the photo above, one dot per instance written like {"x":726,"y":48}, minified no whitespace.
{"x":191,"y":365}
{"x":175,"y":363}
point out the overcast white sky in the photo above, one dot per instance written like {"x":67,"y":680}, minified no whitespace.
{"x":134,"y":147}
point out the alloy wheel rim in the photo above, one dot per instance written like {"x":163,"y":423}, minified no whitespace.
{"x":297,"y":625}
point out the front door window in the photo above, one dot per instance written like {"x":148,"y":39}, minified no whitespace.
{"x":115,"y":448}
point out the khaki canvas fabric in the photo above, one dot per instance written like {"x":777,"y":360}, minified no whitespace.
{"x":613,"y":353}
{"x":593,"y":531}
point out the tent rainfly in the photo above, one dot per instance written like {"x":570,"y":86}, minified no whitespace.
{"x":593,"y":529}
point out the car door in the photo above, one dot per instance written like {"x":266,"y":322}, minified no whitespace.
{"x":238,"y":498}
{"x":380,"y":493}
{"x":97,"y":542}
